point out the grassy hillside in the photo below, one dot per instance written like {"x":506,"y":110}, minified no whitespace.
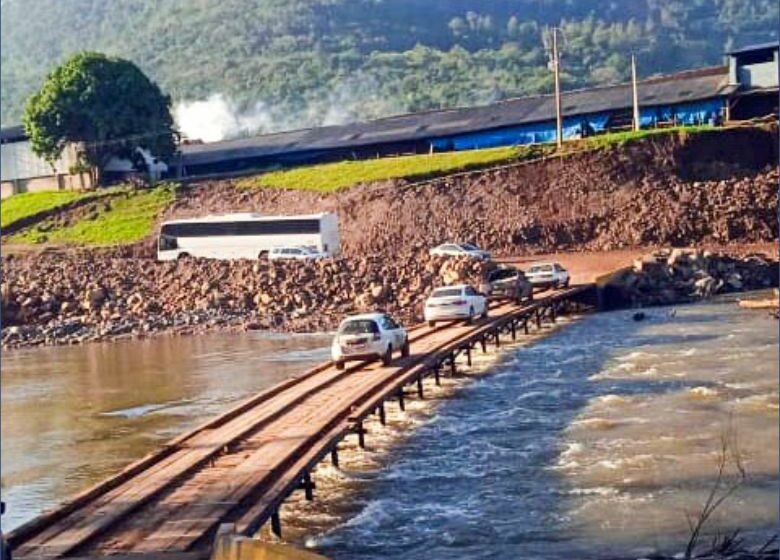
{"x":25,"y":205}
{"x":330,"y":177}
{"x":336,"y":176}
{"x":126,"y":219}
{"x":303,"y":62}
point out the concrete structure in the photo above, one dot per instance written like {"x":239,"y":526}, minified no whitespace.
{"x":755,"y":71}
{"x":22,"y":171}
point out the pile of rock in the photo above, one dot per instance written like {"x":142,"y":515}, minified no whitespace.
{"x":51,"y":299}
{"x":686,"y":275}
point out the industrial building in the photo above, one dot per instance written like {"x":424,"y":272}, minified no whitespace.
{"x":746,"y":87}
{"x":23,"y":171}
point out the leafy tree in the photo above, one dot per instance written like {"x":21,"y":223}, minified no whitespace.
{"x":105,"y":106}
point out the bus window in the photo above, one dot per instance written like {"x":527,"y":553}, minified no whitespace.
{"x":168,"y":243}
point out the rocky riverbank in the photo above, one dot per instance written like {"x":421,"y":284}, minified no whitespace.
{"x":688,"y":275}
{"x":85,"y":296}
{"x":82,"y":296}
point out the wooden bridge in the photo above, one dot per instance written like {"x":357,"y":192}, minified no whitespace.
{"x":240,"y":467}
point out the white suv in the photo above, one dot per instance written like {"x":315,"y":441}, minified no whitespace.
{"x":545,"y":275}
{"x":460,"y":250}
{"x":455,"y":302}
{"x":296,"y":253}
{"x":368,"y":336}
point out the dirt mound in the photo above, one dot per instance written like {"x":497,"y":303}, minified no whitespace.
{"x":667,"y":190}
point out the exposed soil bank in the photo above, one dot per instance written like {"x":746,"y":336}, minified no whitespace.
{"x":671,"y":190}
{"x":682,"y":190}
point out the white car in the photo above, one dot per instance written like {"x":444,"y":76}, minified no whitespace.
{"x":295,"y":253}
{"x":452,"y":303}
{"x":545,"y":275}
{"x":460,"y":250}
{"x":369,"y":336}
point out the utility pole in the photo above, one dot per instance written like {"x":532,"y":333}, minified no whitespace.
{"x":634,"y":91}
{"x":556,"y":62}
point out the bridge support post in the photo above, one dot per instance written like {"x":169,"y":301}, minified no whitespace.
{"x":276,"y":523}
{"x":538,"y":318}
{"x":420,"y":386}
{"x":553,"y":312}
{"x":308,"y":486}
{"x":401,"y":404}
{"x":334,"y":457}
{"x":525,"y":325}
{"x":436,"y":374}
{"x":361,"y":433}
{"x":468,"y":355}
{"x":382,"y":418}
{"x":483,"y":344}
{"x":498,"y":338}
{"x":453,"y":367}
{"x":513,"y":325}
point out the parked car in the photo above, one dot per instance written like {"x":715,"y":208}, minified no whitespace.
{"x":545,"y":275}
{"x":296,"y":253}
{"x":453,"y":303}
{"x":509,"y":282}
{"x":369,"y":336}
{"x":460,"y":250}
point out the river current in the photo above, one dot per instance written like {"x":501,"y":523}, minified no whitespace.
{"x":593,"y":442}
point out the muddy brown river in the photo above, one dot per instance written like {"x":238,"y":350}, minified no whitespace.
{"x":74,"y":415}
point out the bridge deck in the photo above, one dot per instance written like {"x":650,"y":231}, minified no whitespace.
{"x":240,"y":466}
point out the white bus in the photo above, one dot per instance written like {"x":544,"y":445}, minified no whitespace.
{"x":246,"y":236}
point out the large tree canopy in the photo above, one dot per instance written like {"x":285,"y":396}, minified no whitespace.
{"x":105,"y":106}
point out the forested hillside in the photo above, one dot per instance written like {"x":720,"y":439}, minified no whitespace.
{"x":298,"y":62}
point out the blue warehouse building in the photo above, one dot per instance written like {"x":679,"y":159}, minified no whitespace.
{"x":693,"y":97}
{"x":746,"y":87}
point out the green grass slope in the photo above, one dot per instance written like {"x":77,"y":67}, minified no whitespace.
{"x":25,"y":205}
{"x":128,"y":219}
{"x":330,"y":177}
{"x":336,"y":176}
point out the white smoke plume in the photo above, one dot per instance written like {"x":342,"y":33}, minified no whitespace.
{"x":220,"y":118}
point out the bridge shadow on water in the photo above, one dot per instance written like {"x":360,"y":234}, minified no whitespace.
{"x":479,"y":480}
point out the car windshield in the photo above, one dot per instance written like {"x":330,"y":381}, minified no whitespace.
{"x":469,"y":247}
{"x":359,"y":326}
{"x":541,"y":268}
{"x":501,"y":275}
{"x":446,"y":292}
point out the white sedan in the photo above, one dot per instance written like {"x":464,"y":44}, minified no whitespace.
{"x":545,"y":275}
{"x":295,"y":253}
{"x":460,"y":250}
{"x":453,"y":303}
{"x":369,"y":336}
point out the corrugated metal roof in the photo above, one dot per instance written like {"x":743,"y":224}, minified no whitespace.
{"x":755,"y":47}
{"x":670,"y":89}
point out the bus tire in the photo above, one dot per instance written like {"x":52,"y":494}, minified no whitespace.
{"x":183,"y":256}
{"x":263,"y":256}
